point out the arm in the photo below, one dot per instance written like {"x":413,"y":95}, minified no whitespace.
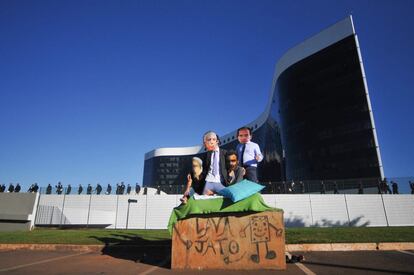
{"x":189,"y":183}
{"x":258,"y":153}
{"x":240,"y":174}
{"x":278,"y":231}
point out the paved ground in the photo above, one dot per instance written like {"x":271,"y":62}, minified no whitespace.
{"x":120,"y":262}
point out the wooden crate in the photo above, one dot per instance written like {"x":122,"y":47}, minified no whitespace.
{"x":237,"y":241}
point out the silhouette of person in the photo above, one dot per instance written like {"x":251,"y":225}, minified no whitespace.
{"x":17,"y":188}
{"x":68,"y":189}
{"x":323,"y":189}
{"x":336,"y":191}
{"x":98,"y":189}
{"x":59,"y":188}
{"x":108,"y":189}
{"x":11,"y":188}
{"x":137,"y":188}
{"x":89,"y":189}
{"x":360,"y":188}
{"x":49,"y":189}
{"x":394,"y":186}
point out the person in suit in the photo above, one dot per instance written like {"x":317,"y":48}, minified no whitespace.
{"x":214,"y":165}
{"x":248,"y":152}
{"x":235,"y":172}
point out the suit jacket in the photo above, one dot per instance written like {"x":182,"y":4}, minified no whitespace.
{"x":223,"y":166}
{"x":198,"y":184}
{"x":238,"y":175}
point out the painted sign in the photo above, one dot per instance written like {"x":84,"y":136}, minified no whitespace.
{"x":244,"y":241}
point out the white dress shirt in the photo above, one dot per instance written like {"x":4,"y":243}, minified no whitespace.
{"x":250,"y":152}
{"x":210,"y":177}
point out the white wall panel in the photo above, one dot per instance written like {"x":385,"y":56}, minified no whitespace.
{"x":399,"y":209}
{"x":270,"y":200}
{"x":153,"y":211}
{"x":366,"y":210}
{"x":75,"y":210}
{"x":159,"y":209}
{"x":49,"y":210}
{"x":329,"y":210}
{"x":103,"y":211}
{"x":297,"y":211}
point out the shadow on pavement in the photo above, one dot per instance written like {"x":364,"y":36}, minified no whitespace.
{"x":134,"y":248}
{"x":312,"y":263}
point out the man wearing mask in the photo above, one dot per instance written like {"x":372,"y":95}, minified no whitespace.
{"x":249,"y":153}
{"x":214,"y":165}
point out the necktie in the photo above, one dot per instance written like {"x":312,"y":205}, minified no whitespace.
{"x":215,"y":163}
{"x":242,"y":153}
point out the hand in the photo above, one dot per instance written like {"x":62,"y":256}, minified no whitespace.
{"x":189,"y":180}
{"x":257,"y":157}
{"x":187,"y":192}
{"x":184,"y":200}
{"x":209,"y":192}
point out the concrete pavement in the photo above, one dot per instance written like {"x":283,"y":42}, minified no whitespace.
{"x":138,"y":262}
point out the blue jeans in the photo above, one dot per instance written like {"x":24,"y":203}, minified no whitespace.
{"x":213,"y":186}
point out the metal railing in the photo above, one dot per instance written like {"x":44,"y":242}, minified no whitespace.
{"x":394,"y":185}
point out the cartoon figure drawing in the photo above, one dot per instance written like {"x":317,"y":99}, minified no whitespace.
{"x":260,"y":233}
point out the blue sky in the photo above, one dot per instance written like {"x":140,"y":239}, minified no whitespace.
{"x":88,"y":87}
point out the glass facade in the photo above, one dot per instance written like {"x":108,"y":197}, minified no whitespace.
{"x":318,"y":126}
{"x":326,"y":126}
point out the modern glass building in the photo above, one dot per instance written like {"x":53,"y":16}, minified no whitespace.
{"x":318,"y":123}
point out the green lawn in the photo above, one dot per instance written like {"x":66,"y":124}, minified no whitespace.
{"x":350,"y":234}
{"x":131,"y":237}
{"x":84,"y":236}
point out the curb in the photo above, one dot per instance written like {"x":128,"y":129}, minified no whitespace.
{"x":52,"y":247}
{"x":350,"y":246}
{"x":289,"y":247}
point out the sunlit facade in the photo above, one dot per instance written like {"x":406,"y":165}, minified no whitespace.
{"x":317,"y":125}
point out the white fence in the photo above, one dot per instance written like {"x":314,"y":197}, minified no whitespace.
{"x":153,"y":211}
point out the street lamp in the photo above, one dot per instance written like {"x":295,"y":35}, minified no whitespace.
{"x":129,"y":202}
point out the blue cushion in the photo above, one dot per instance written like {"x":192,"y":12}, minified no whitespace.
{"x":241,"y":190}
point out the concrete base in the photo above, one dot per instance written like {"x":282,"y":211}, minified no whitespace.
{"x":17,"y":211}
{"x":230,"y":241}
